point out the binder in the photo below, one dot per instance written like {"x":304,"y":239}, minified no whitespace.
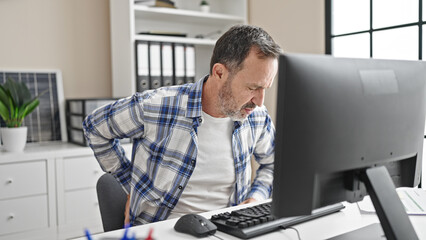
{"x":179,"y":59}
{"x":167,"y":64}
{"x":190,"y":64}
{"x":142,"y":66}
{"x":154,"y":65}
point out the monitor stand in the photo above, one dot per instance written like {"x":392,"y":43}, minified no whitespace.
{"x":389,"y":208}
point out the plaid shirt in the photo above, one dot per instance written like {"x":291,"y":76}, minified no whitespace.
{"x":163,"y":125}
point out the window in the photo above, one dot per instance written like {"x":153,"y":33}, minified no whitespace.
{"x":388,"y":29}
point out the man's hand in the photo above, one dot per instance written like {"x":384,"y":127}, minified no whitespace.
{"x":249,"y":200}
{"x":127,"y":211}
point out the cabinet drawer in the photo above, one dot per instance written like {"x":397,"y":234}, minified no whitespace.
{"x":82,"y":205}
{"x":81,"y":172}
{"x":23,"y":214}
{"x":23,"y":179}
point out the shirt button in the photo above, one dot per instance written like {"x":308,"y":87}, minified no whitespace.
{"x":180,"y":187}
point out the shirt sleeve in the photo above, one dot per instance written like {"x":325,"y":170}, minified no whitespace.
{"x":261,"y":187}
{"x":106,"y":126}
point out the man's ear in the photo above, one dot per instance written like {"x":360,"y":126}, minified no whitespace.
{"x":219,"y":71}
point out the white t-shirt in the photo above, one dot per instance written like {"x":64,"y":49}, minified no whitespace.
{"x":213,"y":179}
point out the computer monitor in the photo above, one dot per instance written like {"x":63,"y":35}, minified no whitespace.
{"x":344,"y":128}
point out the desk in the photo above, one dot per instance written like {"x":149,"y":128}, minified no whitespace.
{"x":346,"y":220}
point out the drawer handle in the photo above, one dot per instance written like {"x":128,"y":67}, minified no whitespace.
{"x":11,"y":216}
{"x":9,"y":181}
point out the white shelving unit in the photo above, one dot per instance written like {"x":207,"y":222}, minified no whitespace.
{"x":129,"y":19}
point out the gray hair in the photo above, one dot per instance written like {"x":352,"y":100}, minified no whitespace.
{"x":234,"y":46}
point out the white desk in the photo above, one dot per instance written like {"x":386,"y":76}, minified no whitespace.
{"x":346,"y":220}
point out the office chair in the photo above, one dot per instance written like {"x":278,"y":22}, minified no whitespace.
{"x":112,"y":202}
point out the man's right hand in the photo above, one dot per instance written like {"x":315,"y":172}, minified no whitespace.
{"x":127,"y":211}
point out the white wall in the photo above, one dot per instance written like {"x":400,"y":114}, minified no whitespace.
{"x":297,"y":26}
{"x":70,"y":35}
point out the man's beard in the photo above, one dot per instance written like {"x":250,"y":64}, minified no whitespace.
{"x":228,"y":105}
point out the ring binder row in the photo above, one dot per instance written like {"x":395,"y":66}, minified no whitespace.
{"x":163,"y":64}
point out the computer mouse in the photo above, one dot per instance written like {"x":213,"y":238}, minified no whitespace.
{"x":195,"y":225}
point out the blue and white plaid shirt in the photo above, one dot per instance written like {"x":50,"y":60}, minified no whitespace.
{"x":163,"y":125}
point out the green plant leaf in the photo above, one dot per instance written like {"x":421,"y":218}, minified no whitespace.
{"x":13,"y":88}
{"x":36,"y":97}
{"x":33,"y":105}
{"x":11,"y":108}
{"x":28,"y":108}
{"x":17,"y":102}
{"x":24,"y":93}
{"x":4,"y":111}
{"x":4,"y":96}
{"x":22,"y":111}
{"x":15,"y":115}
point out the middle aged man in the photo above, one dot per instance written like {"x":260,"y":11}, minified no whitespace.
{"x":192,"y":144}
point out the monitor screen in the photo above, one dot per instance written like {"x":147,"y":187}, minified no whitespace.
{"x":338,"y":119}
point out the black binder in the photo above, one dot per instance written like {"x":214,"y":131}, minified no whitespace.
{"x":189,"y":64}
{"x":179,"y":63}
{"x":155,"y":65}
{"x":142,"y":66}
{"x":167,"y":64}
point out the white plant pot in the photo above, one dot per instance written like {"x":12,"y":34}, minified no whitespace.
{"x":14,"y":139}
{"x":205,"y":8}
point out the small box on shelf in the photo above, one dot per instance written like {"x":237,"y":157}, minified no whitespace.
{"x":156,"y":3}
{"x":76,"y":111}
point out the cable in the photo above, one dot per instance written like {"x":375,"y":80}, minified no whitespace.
{"x":297,"y":232}
{"x":217,"y":237}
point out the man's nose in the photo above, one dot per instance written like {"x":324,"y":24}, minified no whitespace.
{"x":259,"y":97}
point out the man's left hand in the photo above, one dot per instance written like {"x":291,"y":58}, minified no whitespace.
{"x":249,"y":200}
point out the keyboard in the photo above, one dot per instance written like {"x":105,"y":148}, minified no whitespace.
{"x":257,"y":220}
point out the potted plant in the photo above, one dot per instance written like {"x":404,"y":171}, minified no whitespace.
{"x":15,"y":104}
{"x":205,"y":7}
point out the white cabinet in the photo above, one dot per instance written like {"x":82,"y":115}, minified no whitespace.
{"x":23,"y":214}
{"x":49,"y":192}
{"x":24,"y":197}
{"x":78,"y":206}
{"x":23,"y":179}
{"x":129,"y":19}
{"x":76,"y":177}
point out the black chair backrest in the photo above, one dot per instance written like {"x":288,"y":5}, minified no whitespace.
{"x":112,"y":202}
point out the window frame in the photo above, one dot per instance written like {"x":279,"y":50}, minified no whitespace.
{"x":329,"y":36}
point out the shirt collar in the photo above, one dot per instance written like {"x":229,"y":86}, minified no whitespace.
{"x":194,"y":107}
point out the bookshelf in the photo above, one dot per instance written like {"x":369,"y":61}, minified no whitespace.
{"x":129,"y":19}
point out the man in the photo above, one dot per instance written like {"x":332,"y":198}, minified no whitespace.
{"x":192,"y":144}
